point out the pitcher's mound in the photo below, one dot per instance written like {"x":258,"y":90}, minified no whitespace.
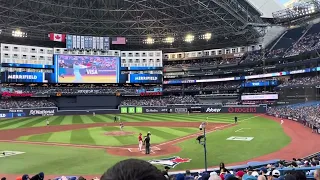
{"x":119,"y":133}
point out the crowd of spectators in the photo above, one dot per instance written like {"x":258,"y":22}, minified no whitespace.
{"x":31,"y":103}
{"x":77,"y":90}
{"x":130,"y":169}
{"x":309,"y":42}
{"x":253,"y":56}
{"x":275,"y":53}
{"x":203,"y":63}
{"x":310,"y":113}
{"x":198,"y":87}
{"x":158,"y":101}
{"x":306,"y":81}
{"x":26,"y":103}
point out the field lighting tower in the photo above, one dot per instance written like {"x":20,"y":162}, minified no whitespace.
{"x":203,"y":140}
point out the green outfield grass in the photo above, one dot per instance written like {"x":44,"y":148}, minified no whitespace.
{"x":95,"y":136}
{"x":268,"y":137}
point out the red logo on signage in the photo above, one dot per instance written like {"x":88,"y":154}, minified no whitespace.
{"x":242,"y":109}
{"x":151,"y":94}
{"x":8,"y":94}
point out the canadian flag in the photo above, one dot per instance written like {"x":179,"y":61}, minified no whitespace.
{"x":57,"y":37}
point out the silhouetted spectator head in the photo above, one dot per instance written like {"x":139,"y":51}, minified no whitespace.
{"x":133,"y":169}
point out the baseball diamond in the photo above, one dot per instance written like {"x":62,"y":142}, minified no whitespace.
{"x":172,"y":134}
{"x":160,"y":89}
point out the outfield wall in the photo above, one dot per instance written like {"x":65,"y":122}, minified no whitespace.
{"x":195,"y":109}
{"x":173,"y":108}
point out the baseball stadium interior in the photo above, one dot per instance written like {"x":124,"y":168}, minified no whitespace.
{"x":160,"y":89}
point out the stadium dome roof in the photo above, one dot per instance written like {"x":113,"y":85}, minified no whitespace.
{"x":134,"y":19}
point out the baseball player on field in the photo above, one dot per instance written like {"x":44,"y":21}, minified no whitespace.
{"x":140,"y":142}
{"x":121,"y":126}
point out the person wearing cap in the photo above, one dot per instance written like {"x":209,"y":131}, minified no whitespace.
{"x":140,"y":142}
{"x":276,"y":173}
{"x":263,"y":172}
{"x":214,"y":176}
{"x":188,"y":175}
{"x":239,"y":174}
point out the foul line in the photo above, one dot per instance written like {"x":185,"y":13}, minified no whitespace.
{"x":240,"y":130}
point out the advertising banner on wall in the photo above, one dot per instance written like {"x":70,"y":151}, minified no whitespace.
{"x":28,"y":77}
{"x":197,"y":109}
{"x":12,"y":113}
{"x":141,"y":78}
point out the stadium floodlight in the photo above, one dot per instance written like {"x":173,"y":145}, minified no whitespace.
{"x":169,"y":40}
{"x":18,"y":33}
{"x":207,"y":36}
{"x":148,"y":41}
{"x":189,"y":38}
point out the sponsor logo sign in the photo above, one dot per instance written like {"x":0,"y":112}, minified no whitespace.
{"x":3,"y":115}
{"x":242,"y":110}
{"x":156,"y":110}
{"x":170,"y":162}
{"x":180,"y":110}
{"x":152,"y":110}
{"x":213,"y":110}
{"x":9,"y":153}
{"x":41,"y":112}
{"x":164,"y":110}
{"x":237,"y":138}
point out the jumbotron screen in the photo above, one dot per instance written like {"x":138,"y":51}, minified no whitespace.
{"x":87,"y":69}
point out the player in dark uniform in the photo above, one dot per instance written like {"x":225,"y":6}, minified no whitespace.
{"x":236,"y":120}
{"x":115,"y":119}
{"x":147,"y":143}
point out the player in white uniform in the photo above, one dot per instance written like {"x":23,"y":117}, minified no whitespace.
{"x":140,"y":142}
{"x":94,"y":114}
{"x":281,"y":121}
{"x":48,"y":122}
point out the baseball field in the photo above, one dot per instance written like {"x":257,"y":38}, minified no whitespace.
{"x":77,"y":145}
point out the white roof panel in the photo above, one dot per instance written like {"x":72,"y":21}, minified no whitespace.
{"x":266,"y":7}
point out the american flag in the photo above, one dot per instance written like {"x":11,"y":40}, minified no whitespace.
{"x":119,"y":40}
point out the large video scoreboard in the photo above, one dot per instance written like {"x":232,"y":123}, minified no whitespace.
{"x":26,"y":64}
